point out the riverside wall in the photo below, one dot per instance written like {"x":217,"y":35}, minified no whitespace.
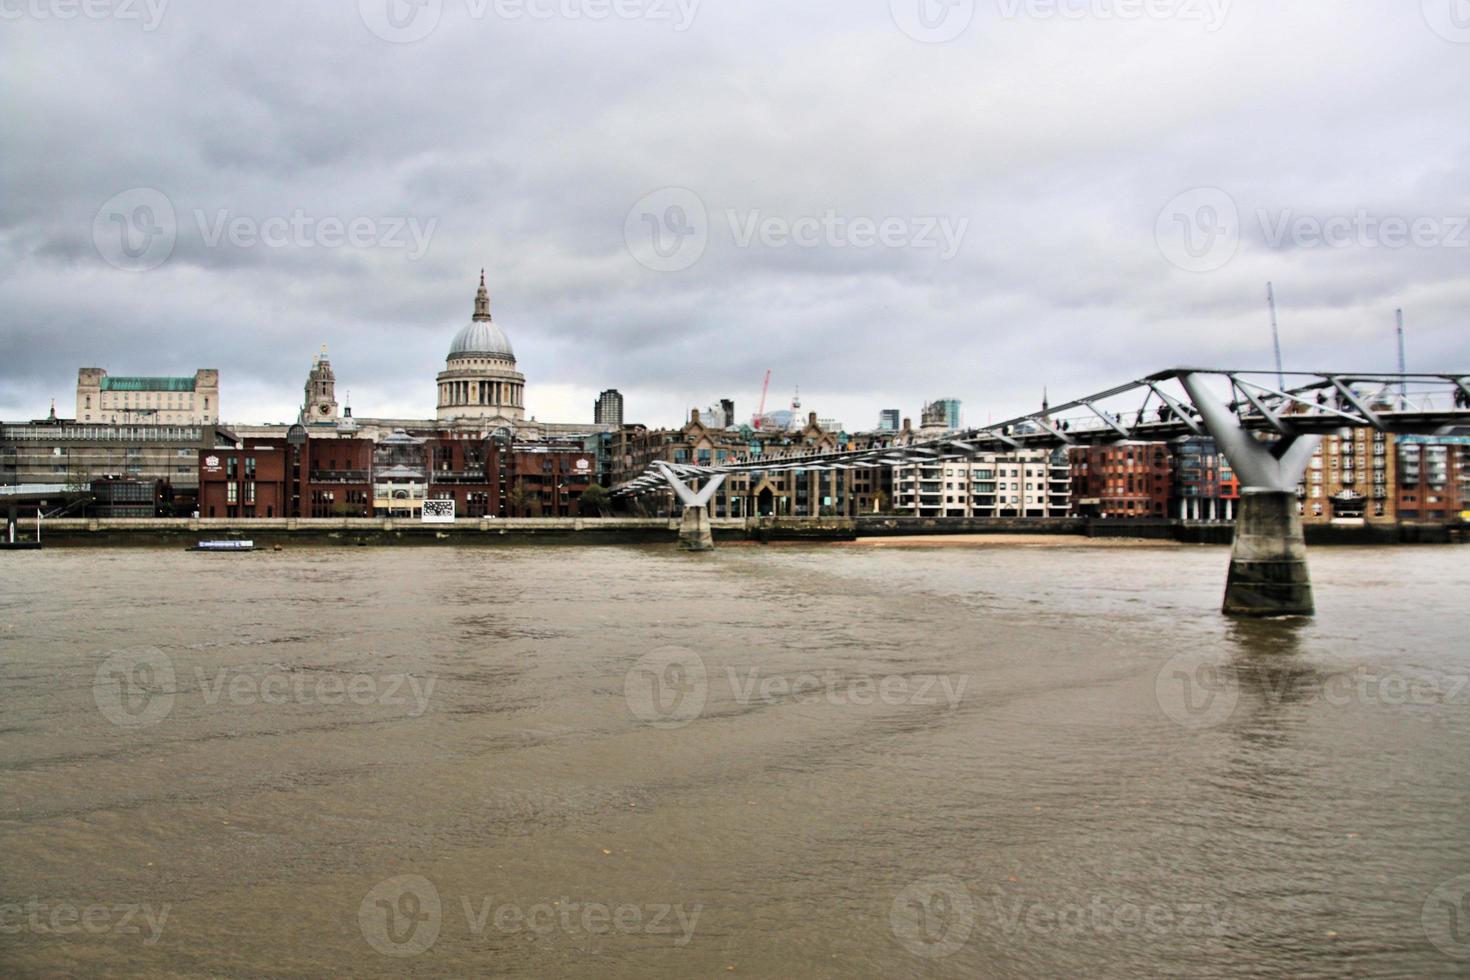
{"x":383,"y":532}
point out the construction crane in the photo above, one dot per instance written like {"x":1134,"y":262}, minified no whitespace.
{"x":760,"y":412}
{"x":1403,"y":388}
{"x":1275,"y":335}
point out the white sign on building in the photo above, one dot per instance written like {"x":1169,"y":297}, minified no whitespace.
{"x":438,"y":511}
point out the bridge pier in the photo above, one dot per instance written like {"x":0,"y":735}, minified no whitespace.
{"x":695,"y":533}
{"x":1268,"y":562}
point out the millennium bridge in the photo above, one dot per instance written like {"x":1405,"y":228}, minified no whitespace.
{"x":1266,"y":423}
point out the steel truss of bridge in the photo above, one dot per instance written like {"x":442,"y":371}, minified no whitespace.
{"x":1267,"y":423}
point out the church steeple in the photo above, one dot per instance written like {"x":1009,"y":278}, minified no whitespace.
{"x":482,"y":300}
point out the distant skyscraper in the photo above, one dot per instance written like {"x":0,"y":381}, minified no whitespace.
{"x":608,"y":410}
{"x":943,"y":413}
{"x":889,"y":420}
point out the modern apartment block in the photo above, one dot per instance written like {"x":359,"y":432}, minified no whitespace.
{"x":1028,"y":483}
{"x":1351,"y":477}
{"x":1433,"y":478}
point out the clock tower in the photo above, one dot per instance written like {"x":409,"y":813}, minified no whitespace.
{"x":321,"y":391}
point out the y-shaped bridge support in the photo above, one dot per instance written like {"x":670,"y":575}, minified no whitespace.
{"x":1268,"y":565}
{"x":694,"y":532}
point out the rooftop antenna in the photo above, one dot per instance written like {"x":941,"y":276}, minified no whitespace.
{"x":1275,"y":335}
{"x":1403,"y":385}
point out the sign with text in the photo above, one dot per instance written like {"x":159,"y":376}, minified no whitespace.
{"x":438,"y":511}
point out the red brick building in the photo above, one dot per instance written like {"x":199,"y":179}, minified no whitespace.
{"x":351,"y":477}
{"x":1130,"y":480}
{"x":253,"y":480}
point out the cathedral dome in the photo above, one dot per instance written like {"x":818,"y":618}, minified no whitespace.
{"x":481,"y":336}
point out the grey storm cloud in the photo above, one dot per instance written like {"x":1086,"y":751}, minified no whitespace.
{"x":1119,"y":180}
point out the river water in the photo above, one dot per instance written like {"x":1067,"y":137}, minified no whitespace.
{"x":999,"y":761}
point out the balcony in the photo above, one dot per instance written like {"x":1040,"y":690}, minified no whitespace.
{"x":339,"y":476}
{"x":470,"y":474}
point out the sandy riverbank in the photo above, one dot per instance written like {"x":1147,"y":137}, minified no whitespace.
{"x":1008,"y":541}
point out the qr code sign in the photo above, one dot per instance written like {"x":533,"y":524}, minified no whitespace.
{"x":438,"y":511}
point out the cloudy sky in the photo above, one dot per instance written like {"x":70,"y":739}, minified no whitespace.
{"x":882,"y":201}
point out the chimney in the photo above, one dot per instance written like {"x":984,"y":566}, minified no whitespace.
{"x":811,"y":418}
{"x":693,"y":415}
{"x":908,"y":424}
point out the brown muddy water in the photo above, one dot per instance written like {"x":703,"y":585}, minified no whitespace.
{"x":780,"y":762}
